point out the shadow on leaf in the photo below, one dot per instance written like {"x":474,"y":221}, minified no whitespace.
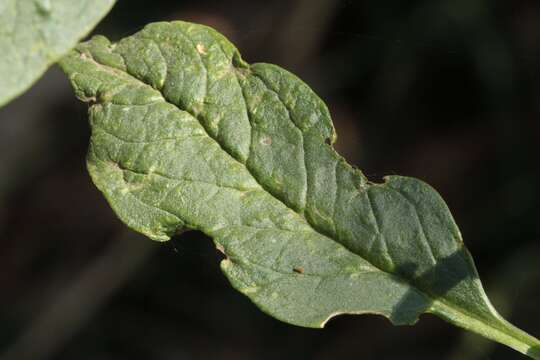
{"x":434,"y":284}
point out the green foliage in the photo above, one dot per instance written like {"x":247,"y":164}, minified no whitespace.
{"x":35,"y":33}
{"x":186,"y":135}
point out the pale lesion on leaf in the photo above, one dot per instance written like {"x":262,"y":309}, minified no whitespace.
{"x":201,"y":49}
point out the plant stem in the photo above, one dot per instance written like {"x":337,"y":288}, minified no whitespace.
{"x":498,"y":329}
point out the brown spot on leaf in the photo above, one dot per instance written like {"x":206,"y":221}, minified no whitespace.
{"x":266,"y":141}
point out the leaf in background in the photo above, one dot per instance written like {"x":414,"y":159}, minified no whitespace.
{"x":36,"y":33}
{"x":185,"y":134}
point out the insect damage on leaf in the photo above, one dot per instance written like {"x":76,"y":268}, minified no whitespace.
{"x":185,"y":134}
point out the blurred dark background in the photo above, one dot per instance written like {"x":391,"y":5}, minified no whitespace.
{"x":446,"y":91}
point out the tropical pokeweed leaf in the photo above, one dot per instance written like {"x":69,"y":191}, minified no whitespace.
{"x":186,"y":135}
{"x":36,"y":33}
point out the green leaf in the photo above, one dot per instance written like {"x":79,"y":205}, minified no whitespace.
{"x":35,"y":33}
{"x":186,"y":135}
